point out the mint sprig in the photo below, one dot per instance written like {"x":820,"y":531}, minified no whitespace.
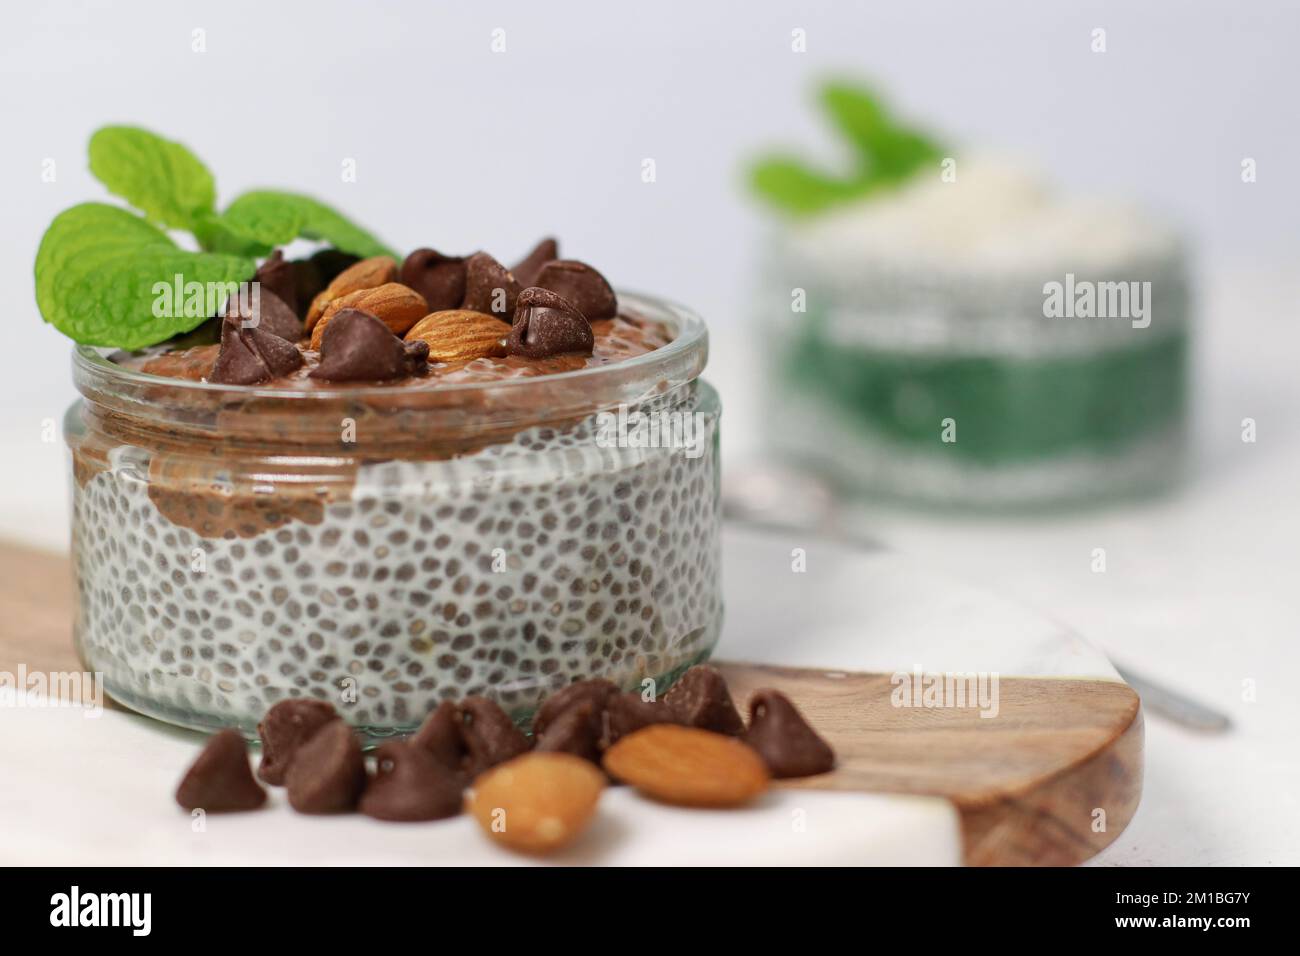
{"x":886,"y":153}
{"x":276,"y":217}
{"x":161,"y":178}
{"x":96,"y":272}
{"x":98,"y":265}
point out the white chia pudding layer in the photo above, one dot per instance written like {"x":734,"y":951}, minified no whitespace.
{"x":509,"y":572}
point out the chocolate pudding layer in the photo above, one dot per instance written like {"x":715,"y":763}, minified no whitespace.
{"x":485,"y":528}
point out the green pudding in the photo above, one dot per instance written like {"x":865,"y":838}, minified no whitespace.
{"x":988,"y":349}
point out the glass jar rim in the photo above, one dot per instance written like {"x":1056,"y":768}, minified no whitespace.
{"x":690,"y":338}
{"x":139,"y":406}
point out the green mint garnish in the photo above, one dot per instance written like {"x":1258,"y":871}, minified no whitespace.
{"x":99,"y":266}
{"x":97,"y":269}
{"x":886,"y":153}
{"x":162,"y":179}
{"x":276,"y":217}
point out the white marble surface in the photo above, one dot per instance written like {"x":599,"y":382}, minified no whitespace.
{"x":98,"y":790}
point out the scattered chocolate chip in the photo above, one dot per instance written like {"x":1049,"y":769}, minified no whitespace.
{"x":545,"y":323}
{"x":285,"y":728}
{"x":357,"y":347}
{"x":440,"y":735}
{"x":576,"y":731}
{"x":785,"y":741}
{"x":700,"y":699}
{"x":628,"y":713}
{"x":409,"y":784}
{"x":595,"y":690}
{"x":582,"y":285}
{"x":220,"y":779}
{"x":490,"y":736}
{"x":252,"y":356}
{"x":440,"y":279}
{"x":279,"y":276}
{"x":268,"y":313}
{"x":530,"y":266}
{"x":328,"y":772}
{"x":489,"y":287}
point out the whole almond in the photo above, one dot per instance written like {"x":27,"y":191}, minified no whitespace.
{"x":366,"y":274}
{"x":536,"y":802}
{"x":397,"y":306}
{"x":689,"y":766}
{"x":459,"y":335}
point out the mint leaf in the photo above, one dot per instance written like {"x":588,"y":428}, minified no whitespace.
{"x":888,"y":150}
{"x":794,"y":187}
{"x":276,"y":217}
{"x":96,"y":270}
{"x":887,"y":153}
{"x":156,"y":175}
{"x":216,"y":235}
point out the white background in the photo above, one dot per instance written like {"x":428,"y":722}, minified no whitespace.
{"x":461,"y":148}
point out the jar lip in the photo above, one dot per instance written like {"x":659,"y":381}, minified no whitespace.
{"x":689,"y":334}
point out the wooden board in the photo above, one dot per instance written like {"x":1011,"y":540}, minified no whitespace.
{"x":1026,"y":784}
{"x":1032,"y":786}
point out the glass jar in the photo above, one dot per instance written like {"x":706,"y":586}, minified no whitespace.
{"x":387,"y":548}
{"x":951,"y":388}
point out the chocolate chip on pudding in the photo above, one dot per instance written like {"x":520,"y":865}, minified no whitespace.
{"x":440,"y":279}
{"x":251,"y":356}
{"x":357,"y":347}
{"x":489,"y":287}
{"x":528,"y":268}
{"x":581,"y":285}
{"x":547,"y":324}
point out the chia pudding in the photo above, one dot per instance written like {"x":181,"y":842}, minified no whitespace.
{"x":386,"y":526}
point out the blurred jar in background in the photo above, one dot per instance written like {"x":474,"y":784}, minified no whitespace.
{"x":969,"y":339}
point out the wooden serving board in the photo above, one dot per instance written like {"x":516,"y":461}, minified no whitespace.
{"x":1051,"y":780}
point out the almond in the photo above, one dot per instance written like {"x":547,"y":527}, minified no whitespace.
{"x":536,"y":802}
{"x":397,"y":306}
{"x":459,"y":335}
{"x":686,"y":765}
{"x":366,"y":274}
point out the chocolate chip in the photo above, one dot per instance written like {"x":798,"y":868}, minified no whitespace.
{"x":279,"y":276}
{"x":409,"y":784}
{"x":312,"y":275}
{"x":285,"y":728}
{"x":490,"y":736}
{"x":268,"y":313}
{"x":582,"y":285}
{"x":546,"y":324}
{"x":782,"y":737}
{"x":440,"y":736}
{"x":576,"y":731}
{"x":331,"y":262}
{"x":357,"y":347}
{"x":531,"y":265}
{"x":628,"y":713}
{"x":489,"y":287}
{"x":595,"y":690}
{"x":220,"y":779}
{"x":252,"y":356}
{"x":700,"y":699}
{"x":440,"y":279}
{"x":328,"y":772}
